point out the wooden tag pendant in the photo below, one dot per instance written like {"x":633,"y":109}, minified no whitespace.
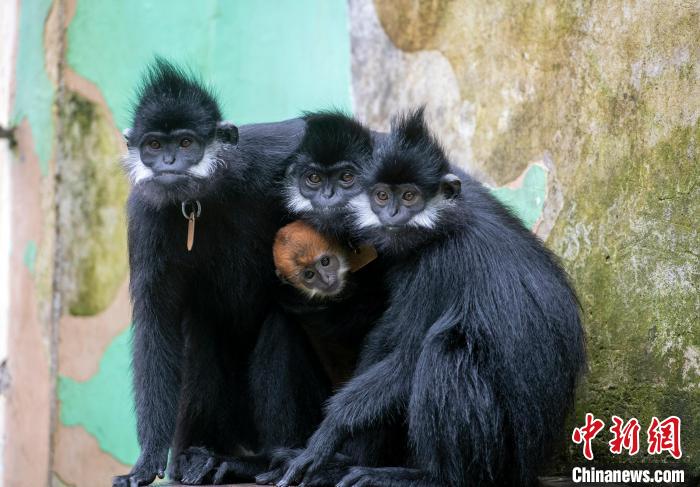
{"x":191,"y":211}
{"x":190,"y":232}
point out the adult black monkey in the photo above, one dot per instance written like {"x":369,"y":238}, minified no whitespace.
{"x":197,"y":314}
{"x":323,"y":173}
{"x":482,"y":345}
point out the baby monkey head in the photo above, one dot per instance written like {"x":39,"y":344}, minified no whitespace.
{"x":312,"y":263}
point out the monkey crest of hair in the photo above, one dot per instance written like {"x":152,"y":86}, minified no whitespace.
{"x":411,"y":154}
{"x":333,"y":136}
{"x":298,"y":245}
{"x":170,"y":97}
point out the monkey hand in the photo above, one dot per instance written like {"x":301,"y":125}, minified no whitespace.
{"x":149,"y":465}
{"x":193,"y":466}
{"x":303,"y":468}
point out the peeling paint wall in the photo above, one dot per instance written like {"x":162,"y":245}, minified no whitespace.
{"x":606,"y":97}
{"x":74,"y":69}
{"x":582,"y":116}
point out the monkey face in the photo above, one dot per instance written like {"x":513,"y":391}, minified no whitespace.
{"x":324,"y":276}
{"x":323,"y":175}
{"x":310,"y":261}
{"x":396,"y":205}
{"x":327,"y":188}
{"x":171,"y":156}
{"x":178,"y":164}
{"x":410,"y":187}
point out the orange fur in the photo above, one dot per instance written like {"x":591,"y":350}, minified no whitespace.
{"x":298,"y":245}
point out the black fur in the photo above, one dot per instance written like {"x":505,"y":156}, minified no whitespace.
{"x":334,"y":136}
{"x":198,"y":315}
{"x":412,"y":146}
{"x":169,"y":97}
{"x":331,"y":138}
{"x":479,"y":351}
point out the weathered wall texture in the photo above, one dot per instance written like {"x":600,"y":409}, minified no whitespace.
{"x":69,"y":413}
{"x":583,"y":117}
{"x":606,"y":97}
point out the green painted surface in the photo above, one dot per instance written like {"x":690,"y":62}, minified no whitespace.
{"x":103,"y":404}
{"x":29,"y":258}
{"x":33,"y":90}
{"x":268,"y":59}
{"x":527,"y":201}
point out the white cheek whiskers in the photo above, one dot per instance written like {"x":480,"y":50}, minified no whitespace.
{"x":296,"y":202}
{"x":430,"y":215}
{"x":210,"y":161}
{"x":362,"y":210}
{"x":135,"y":168}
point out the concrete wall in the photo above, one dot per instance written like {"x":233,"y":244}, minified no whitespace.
{"x":583,"y":118}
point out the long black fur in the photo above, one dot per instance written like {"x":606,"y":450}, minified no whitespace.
{"x":171,"y":97}
{"x":479,"y":351}
{"x":197,"y":316}
{"x":333,"y":136}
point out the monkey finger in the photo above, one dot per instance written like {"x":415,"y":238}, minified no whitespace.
{"x":293,"y":476}
{"x":269,"y":478}
{"x":195,"y":474}
{"x":221,"y":472}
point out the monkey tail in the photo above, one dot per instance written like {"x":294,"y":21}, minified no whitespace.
{"x":455,"y":421}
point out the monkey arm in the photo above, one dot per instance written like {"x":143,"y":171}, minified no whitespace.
{"x":156,"y":362}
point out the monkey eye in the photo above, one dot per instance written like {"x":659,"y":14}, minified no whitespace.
{"x":409,"y":195}
{"x":382,"y":196}
{"x":347,"y":177}
{"x":309,"y":274}
{"x":325,"y":261}
{"x":313,"y":178}
{"x":185,"y":142}
{"x":154,"y":144}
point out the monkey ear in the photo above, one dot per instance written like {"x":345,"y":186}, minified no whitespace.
{"x":227,"y":132}
{"x":126,"y":133}
{"x":451,"y":186}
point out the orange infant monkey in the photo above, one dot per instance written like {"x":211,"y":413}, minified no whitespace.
{"x":335,"y":306}
{"x":315,"y":265}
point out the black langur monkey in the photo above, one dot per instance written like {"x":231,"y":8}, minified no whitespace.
{"x":481,"y":347}
{"x":203,"y":212}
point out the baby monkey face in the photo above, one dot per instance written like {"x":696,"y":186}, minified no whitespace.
{"x":310,"y":261}
{"x":325,"y":275}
